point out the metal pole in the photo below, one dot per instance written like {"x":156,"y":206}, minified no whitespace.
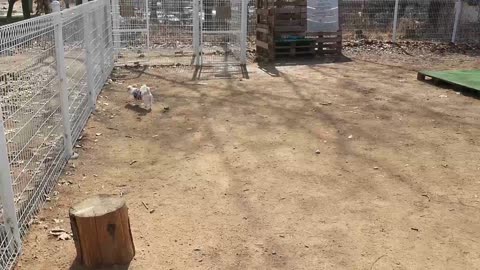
{"x":100,"y":37}
{"x":111,"y":48}
{"x":200,"y":33}
{"x":116,"y":25}
{"x":148,"y":23}
{"x":62,"y":76}
{"x":6,"y":193}
{"x":196,"y":31}
{"x":88,"y":47}
{"x":395,"y":20}
{"x":458,"y":12}
{"x":243,"y":31}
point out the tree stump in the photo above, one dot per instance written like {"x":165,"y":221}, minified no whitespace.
{"x":101,"y":231}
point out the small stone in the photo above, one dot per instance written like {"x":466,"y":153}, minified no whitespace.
{"x":64,"y":237}
{"x":98,"y":134}
{"x":151,"y":211}
{"x":351,"y":136}
{"x":274,"y":253}
{"x":375,"y":168}
{"x":75,"y":156}
{"x":317,"y":152}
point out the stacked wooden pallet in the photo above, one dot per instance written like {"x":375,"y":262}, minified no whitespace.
{"x":327,"y":43}
{"x":280,"y":24}
{"x":282,"y":31}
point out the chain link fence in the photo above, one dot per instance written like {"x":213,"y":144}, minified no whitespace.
{"x":51,"y":70}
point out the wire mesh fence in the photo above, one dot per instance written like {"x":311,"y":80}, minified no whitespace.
{"x":432,"y":20}
{"x":165,"y":29}
{"x":423,"y":20}
{"x":52,"y":69}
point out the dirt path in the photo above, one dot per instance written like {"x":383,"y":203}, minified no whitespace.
{"x":233,"y":175}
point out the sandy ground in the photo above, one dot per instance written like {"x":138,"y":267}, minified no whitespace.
{"x":232,"y":172}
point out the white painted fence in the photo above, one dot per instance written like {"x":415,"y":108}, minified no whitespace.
{"x":52,"y":69}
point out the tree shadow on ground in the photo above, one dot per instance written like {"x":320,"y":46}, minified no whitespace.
{"x":271,"y":67}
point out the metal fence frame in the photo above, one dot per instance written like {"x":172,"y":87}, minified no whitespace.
{"x":63,"y":61}
{"x":183,"y":27}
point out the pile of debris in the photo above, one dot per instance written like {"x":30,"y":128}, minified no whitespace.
{"x":408,"y":47}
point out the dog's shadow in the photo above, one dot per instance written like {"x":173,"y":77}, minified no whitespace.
{"x":138,"y":109}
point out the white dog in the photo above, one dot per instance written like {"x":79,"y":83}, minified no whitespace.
{"x":143,"y":94}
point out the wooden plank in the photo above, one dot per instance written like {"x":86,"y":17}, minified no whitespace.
{"x":280,"y":3}
{"x":295,"y":53}
{"x":290,"y":28}
{"x":263,"y":30}
{"x":294,"y":10}
{"x":421,"y":77}
{"x":328,"y":39}
{"x":329,"y":46}
{"x":291,"y":22}
{"x":338,"y":33}
{"x":262,"y":26}
{"x":262,"y":44}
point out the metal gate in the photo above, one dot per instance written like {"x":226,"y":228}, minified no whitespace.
{"x":209,"y":32}
{"x":220,"y":32}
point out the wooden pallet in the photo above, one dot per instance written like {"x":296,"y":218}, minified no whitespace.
{"x":462,"y":80}
{"x":294,"y":48}
{"x":327,"y":42}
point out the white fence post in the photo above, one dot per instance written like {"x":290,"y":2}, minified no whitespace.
{"x":458,"y":12}
{"x":7,"y":195}
{"x":243,"y":32}
{"x":100,"y":37}
{"x":88,"y":50}
{"x":62,"y":76}
{"x":395,"y":22}
{"x":148,"y":22}
{"x":116,"y":24}
{"x":196,"y":31}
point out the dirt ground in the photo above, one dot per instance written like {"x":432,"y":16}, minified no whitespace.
{"x":233,"y":176}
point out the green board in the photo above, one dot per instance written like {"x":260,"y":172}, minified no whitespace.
{"x":465,"y":78}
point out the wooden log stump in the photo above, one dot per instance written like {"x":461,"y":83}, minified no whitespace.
{"x":101,"y":231}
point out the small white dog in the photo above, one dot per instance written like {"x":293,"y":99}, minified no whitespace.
{"x":143,"y":94}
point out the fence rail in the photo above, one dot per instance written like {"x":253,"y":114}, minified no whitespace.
{"x":52,"y":69}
